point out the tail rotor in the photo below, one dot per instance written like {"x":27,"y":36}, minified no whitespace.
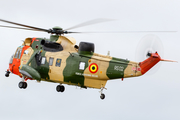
{"x":149,"y":44}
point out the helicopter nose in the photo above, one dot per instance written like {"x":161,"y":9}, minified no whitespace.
{"x":11,"y":63}
{"x":14,"y":65}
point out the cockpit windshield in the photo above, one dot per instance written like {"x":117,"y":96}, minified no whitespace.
{"x":18,"y":53}
{"x":11,"y":59}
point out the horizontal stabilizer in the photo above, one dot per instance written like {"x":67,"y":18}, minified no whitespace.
{"x":168,"y":60}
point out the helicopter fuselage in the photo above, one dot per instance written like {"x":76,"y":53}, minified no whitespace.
{"x":70,"y":65}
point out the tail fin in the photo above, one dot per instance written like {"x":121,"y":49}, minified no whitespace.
{"x":153,"y":59}
{"x":149,"y":62}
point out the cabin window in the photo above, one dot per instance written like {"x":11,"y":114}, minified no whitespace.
{"x":81,"y":65}
{"x":51,"y":61}
{"x":43,"y":60}
{"x":58,"y":62}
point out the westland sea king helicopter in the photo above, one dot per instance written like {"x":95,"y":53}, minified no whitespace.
{"x":59,"y":60}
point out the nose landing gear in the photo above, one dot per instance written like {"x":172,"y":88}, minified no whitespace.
{"x":7,"y":73}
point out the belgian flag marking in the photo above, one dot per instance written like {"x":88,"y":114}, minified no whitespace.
{"x":93,"y":67}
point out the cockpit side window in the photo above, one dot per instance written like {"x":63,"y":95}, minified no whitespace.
{"x":26,"y":52}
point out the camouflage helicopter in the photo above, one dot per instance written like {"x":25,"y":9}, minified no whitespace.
{"x":59,"y":60}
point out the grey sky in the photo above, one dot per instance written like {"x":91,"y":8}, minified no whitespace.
{"x":149,"y":97}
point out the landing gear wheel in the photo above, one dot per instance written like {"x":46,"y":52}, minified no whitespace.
{"x":60,"y":88}
{"x":25,"y":85}
{"x":22,"y":85}
{"x":102,"y":96}
{"x":7,"y":73}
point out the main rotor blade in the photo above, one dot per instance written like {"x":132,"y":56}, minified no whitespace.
{"x":69,"y":32}
{"x":40,"y":29}
{"x":126,"y":32}
{"x":95,"y":21}
{"x":19,"y":28}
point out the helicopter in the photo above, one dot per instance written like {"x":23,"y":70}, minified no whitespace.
{"x":59,"y":60}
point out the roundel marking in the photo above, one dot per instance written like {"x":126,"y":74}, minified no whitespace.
{"x":93,"y":67}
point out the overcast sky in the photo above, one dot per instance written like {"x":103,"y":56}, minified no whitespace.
{"x":149,"y":97}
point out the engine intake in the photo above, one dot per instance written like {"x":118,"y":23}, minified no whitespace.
{"x":51,"y":46}
{"x":86,"y":48}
